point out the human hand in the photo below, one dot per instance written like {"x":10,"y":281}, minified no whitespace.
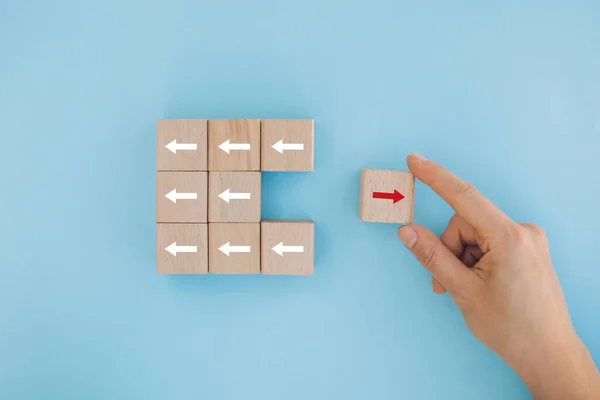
{"x":500,"y":275}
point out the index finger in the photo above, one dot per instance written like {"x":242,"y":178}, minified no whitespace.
{"x":466,"y":201}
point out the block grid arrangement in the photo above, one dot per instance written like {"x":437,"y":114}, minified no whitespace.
{"x":208,"y":205}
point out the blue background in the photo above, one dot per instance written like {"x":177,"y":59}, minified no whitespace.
{"x":506,"y":94}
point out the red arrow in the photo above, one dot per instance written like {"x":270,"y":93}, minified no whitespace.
{"x":396,"y":196}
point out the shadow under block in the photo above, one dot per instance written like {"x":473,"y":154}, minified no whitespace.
{"x":287,"y":247}
{"x":234,"y":145}
{"x":181,"y":145}
{"x":234,"y":196}
{"x":182,"y":248}
{"x":287,"y":145}
{"x":234,"y":248}
{"x":181,"y":197}
{"x":386,"y":196}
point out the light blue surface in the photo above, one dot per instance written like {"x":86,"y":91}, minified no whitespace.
{"x":506,"y":95}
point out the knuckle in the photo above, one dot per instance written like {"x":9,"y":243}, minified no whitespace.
{"x":429,"y":258}
{"x":537,"y":233}
{"x":517,"y":234}
{"x":536,"y":229}
{"x":464,"y":188}
{"x":523,"y":236}
{"x":454,"y":219}
{"x":508,"y":233}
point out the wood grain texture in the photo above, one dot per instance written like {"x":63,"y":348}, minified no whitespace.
{"x":289,"y":233}
{"x":291,"y":132}
{"x":184,"y":210}
{"x":383,"y":210}
{"x":183,"y":235}
{"x":241,"y":210}
{"x":236,"y":234}
{"x":187,"y":131}
{"x":238,"y":131}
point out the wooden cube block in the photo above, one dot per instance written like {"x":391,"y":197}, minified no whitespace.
{"x":287,"y":145}
{"x":287,"y":247}
{"x":386,"y":196}
{"x":234,"y":196}
{"x":234,"y":145}
{"x":234,"y":248}
{"x":181,"y":248}
{"x":181,"y":197}
{"x":181,"y":145}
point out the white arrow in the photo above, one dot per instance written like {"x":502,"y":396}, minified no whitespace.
{"x":280,"y":146}
{"x":227,"y":248}
{"x":226,"y":146}
{"x":174,"y":196}
{"x":279,"y":248}
{"x":227,"y":196}
{"x":173,"y":146}
{"x":174,"y":249}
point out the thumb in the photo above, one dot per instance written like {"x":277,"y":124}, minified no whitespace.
{"x":436,"y":258}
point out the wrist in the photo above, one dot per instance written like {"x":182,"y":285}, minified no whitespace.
{"x":562,"y":368}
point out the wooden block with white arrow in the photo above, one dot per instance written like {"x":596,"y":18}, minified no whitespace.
{"x":182,"y":248}
{"x":290,"y":247}
{"x":234,"y":248}
{"x":182,"y":197}
{"x":234,"y":196}
{"x":234,"y":145}
{"x":181,"y":145}
{"x":287,"y":145}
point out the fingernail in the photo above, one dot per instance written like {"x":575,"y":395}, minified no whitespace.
{"x":418,"y":156}
{"x":407,"y":236}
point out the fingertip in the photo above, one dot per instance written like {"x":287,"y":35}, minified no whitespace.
{"x":438,"y":260}
{"x":414,"y":160}
{"x":407,"y":235}
{"x":437,"y":287}
{"x":417,"y":157}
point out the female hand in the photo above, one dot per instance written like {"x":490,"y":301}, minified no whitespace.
{"x":500,"y":275}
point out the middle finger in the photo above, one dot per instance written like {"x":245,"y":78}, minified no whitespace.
{"x":458,"y":235}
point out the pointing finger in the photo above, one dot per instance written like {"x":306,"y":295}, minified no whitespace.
{"x":471,"y":205}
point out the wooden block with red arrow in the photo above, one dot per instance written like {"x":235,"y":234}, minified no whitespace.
{"x":386,"y":196}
